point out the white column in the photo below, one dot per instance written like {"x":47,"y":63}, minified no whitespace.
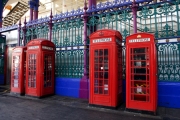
{"x":53,"y":8}
{"x":63,"y":8}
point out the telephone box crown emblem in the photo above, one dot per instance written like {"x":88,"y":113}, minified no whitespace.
{"x":101,"y":33}
{"x":139,"y":36}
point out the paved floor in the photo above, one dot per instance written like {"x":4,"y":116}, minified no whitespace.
{"x":17,"y":108}
{"x":62,"y":108}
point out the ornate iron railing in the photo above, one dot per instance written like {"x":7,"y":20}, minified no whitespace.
{"x":160,"y":19}
{"x":168,"y":61}
{"x":68,"y":38}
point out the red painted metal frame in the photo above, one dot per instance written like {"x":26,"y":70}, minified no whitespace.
{"x":141,"y":94}
{"x":112,"y":95}
{"x":35,"y":48}
{"x":21,"y":52}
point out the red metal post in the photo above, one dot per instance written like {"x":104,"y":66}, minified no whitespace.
{"x":134,"y":10}
{"x":84,"y":93}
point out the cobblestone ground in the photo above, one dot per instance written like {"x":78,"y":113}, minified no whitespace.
{"x":59,"y":108}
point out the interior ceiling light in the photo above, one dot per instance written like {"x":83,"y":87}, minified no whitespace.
{"x":8,"y":7}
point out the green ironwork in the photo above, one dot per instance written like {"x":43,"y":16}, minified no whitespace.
{"x":68,"y":38}
{"x":160,"y":19}
{"x":37,"y":31}
{"x":69,"y":63}
{"x":169,"y":62}
{"x":120,"y":20}
{"x":21,"y":36}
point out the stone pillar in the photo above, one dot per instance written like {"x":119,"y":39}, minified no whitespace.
{"x":24,"y":33}
{"x":19,"y":32}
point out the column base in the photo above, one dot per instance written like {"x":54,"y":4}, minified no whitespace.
{"x":84,"y":88}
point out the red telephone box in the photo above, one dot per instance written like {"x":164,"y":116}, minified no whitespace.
{"x":141,"y":72}
{"x":40,"y":68}
{"x":18,"y":70}
{"x":105,"y":68}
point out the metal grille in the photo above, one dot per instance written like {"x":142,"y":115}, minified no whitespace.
{"x":168,"y":62}
{"x":161,"y":19}
{"x":68,"y":38}
{"x":69,"y":63}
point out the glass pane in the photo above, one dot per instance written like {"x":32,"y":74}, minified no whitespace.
{"x":105,"y":52}
{"x":96,"y":60}
{"x":96,"y":67}
{"x":96,"y":53}
{"x":101,"y":52}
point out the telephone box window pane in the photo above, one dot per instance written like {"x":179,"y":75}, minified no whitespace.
{"x":96,"y":90}
{"x":32,"y":71}
{"x":96,"y":53}
{"x":96,"y":67}
{"x":106,"y":75}
{"x":105,"y":59}
{"x":101,"y":83}
{"x":96,"y":83}
{"x":101,"y":52}
{"x":96,"y":75}
{"x":100,"y":59}
{"x":105,"y":52}
{"x":106,"y":67}
{"x":100,"y":90}
{"x":95,"y":60}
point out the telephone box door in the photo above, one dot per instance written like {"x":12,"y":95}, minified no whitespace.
{"x":100,"y":78}
{"x":48,"y":73}
{"x":32,"y":65}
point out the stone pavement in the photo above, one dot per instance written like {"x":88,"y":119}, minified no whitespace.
{"x":63,"y":108}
